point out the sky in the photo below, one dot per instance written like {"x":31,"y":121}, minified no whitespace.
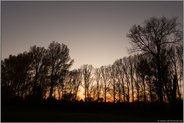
{"x":95,"y":32}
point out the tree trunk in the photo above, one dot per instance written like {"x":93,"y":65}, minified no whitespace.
{"x":132,"y":81}
{"x":123,"y":90}
{"x":105,"y":91}
{"x":175,"y":81}
{"x":114,"y":95}
{"x":137,"y":87}
{"x":119,"y":88}
{"x":150,"y":90}
{"x":179,"y":94}
{"x":98,"y":93}
{"x":76,"y":91}
{"x":51,"y":88}
{"x":160,"y":84}
{"x":144,"y":89}
{"x":85,"y":91}
{"x":128,"y":95}
{"x":132,"y":90}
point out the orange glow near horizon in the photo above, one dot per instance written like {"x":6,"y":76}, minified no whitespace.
{"x":109,"y":97}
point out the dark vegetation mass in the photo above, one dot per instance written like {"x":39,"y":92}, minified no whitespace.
{"x":38,"y":85}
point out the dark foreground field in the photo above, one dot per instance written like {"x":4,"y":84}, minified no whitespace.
{"x":91,"y":112}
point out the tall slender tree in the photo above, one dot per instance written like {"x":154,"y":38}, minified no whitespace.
{"x":87,"y":74}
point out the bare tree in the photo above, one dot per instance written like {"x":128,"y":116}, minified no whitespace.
{"x":171,"y":70}
{"x":98,"y":78}
{"x":152,"y":37}
{"x":113,"y":74}
{"x":38,"y":70}
{"x":15,"y":76}
{"x":86,"y":73}
{"x":127,"y":80}
{"x":120,"y":77}
{"x":75,"y":82}
{"x":59,"y":61}
{"x":142,"y":65}
{"x":179,"y":52}
{"x":131,"y":72}
{"x":104,"y":72}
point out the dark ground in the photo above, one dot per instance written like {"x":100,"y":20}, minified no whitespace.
{"x":79,"y":111}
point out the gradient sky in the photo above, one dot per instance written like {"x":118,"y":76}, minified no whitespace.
{"x":95,"y":32}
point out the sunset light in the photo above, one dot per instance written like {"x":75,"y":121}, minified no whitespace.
{"x":96,"y":61}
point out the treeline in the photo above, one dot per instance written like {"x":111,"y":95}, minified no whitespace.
{"x":154,"y":74}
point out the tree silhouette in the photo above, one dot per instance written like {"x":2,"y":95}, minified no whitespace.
{"x":104,"y":71}
{"x":176,"y":67}
{"x":87,"y":73}
{"x":152,"y":38}
{"x":179,"y":52}
{"x":113,"y":74}
{"x":131,"y":72}
{"x":8,"y":83}
{"x":142,"y":64}
{"x":98,"y":78}
{"x":15,"y":76}
{"x":127,"y":80}
{"x":75,"y":82}
{"x":38,"y":70}
{"x":59,"y":61}
{"x":120,"y":76}
{"x":155,"y":71}
{"x":132,"y":85}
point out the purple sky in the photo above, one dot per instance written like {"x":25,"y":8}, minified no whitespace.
{"x":95,"y":32}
